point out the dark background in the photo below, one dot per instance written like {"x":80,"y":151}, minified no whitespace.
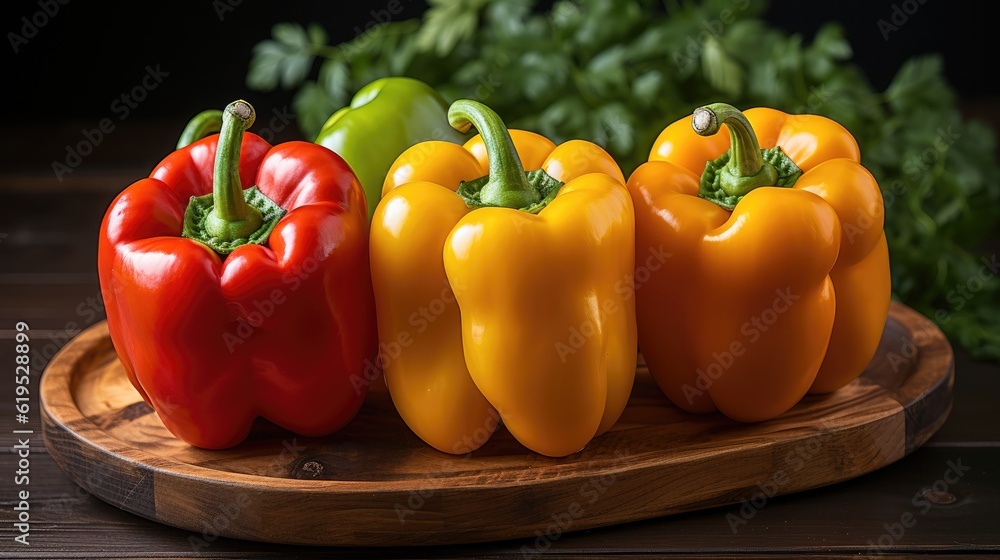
{"x":91,"y":52}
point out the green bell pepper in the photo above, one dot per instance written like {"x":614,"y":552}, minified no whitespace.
{"x":385,"y":118}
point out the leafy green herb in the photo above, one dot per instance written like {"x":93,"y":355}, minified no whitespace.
{"x":619,"y":71}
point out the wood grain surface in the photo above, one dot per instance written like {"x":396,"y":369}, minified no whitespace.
{"x":375,"y":483}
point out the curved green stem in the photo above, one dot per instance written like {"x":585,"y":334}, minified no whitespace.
{"x":231,"y":217}
{"x":508,"y":185}
{"x":747,"y":169}
{"x":201,"y":125}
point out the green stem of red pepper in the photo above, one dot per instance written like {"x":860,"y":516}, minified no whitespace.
{"x":230,"y":216}
{"x":507,"y":185}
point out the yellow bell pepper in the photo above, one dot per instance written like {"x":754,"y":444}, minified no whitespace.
{"x":505,"y":295}
{"x":778,"y":281}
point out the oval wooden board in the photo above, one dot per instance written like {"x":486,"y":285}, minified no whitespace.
{"x":375,"y":483}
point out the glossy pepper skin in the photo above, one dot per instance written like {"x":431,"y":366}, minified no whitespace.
{"x":280,"y":330}
{"x":385,"y":118}
{"x":786,"y":294}
{"x":481,"y":304}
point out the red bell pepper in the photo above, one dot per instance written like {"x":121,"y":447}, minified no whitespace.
{"x":226,"y":304}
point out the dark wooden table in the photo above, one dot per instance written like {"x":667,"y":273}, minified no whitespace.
{"x":48,"y":236}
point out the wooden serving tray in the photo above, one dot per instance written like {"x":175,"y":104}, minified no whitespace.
{"x":375,"y":483}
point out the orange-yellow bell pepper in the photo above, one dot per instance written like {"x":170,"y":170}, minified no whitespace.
{"x":505,"y":295}
{"x":778,"y":281}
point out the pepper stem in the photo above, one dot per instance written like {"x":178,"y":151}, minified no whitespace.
{"x":201,"y":125}
{"x":747,"y":169}
{"x":231,"y":217}
{"x":508,"y":185}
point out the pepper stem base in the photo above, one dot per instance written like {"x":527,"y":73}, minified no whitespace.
{"x":546,"y":186}
{"x":223,"y":236}
{"x":721,"y":185}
